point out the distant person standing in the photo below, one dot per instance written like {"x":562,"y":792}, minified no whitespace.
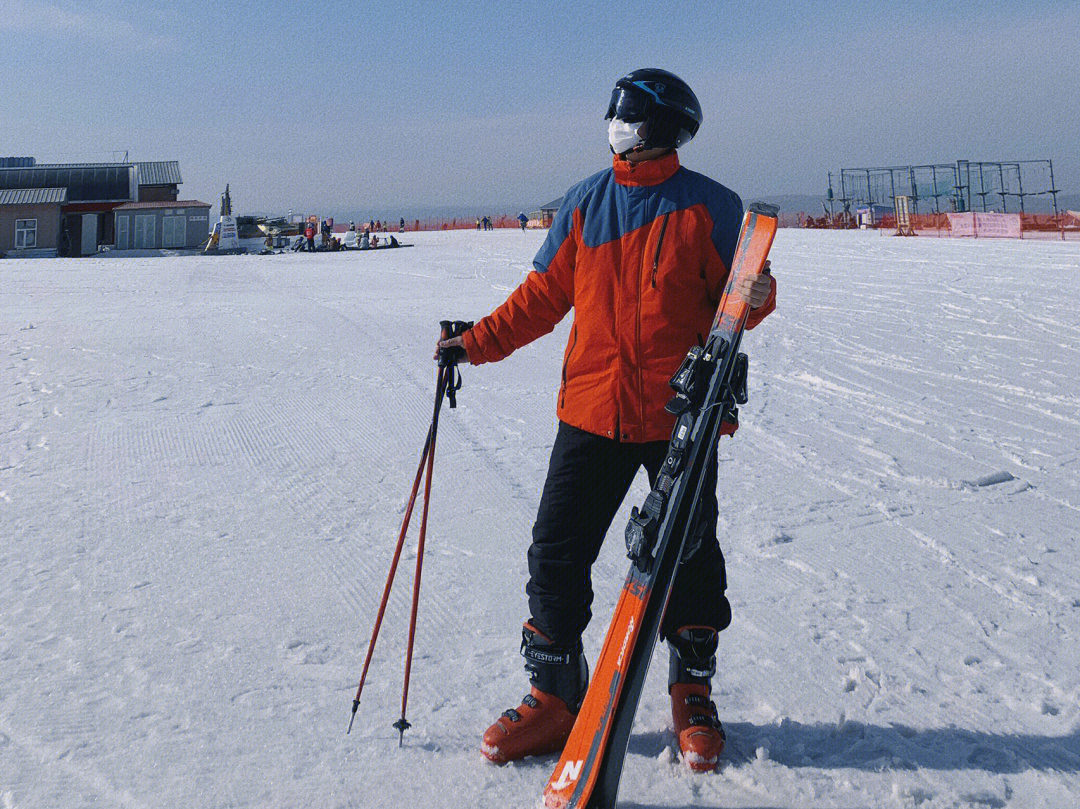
{"x":523,"y":219}
{"x":365,"y":240}
{"x":309,"y":235}
{"x":478,"y":223}
{"x":401,"y":225}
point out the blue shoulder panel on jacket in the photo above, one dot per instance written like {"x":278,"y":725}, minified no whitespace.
{"x":563,"y":222}
{"x":726,"y":210}
{"x":610,"y":210}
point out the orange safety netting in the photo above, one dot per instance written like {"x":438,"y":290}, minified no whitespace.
{"x":1065,"y":225}
{"x":463,"y":223}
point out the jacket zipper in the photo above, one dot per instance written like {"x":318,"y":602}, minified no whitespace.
{"x":659,"y":244}
{"x":566,"y":362}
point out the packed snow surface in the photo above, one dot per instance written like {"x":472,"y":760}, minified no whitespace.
{"x":204,"y":463}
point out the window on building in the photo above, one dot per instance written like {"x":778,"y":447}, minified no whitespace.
{"x":25,"y":233}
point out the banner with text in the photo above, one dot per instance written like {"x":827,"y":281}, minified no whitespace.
{"x":985,"y":225}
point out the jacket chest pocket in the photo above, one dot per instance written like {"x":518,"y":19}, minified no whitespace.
{"x":658,"y":251}
{"x":673,"y":264}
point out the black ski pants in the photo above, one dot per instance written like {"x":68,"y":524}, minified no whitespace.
{"x":588,"y":478}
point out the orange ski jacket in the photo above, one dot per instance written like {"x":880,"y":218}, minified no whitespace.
{"x":642,"y":252}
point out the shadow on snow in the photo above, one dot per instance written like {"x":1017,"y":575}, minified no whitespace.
{"x":854,"y":745}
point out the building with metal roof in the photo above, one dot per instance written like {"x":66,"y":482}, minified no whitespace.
{"x":30,"y":221}
{"x":32,"y":196}
{"x":93,"y":191}
{"x":155,"y":225}
{"x":161,"y":172}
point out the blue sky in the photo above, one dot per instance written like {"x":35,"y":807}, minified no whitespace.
{"x":410,"y":105}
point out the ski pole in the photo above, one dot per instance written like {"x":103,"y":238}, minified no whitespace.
{"x":448,"y":382}
{"x":390,"y":577}
{"x":402,"y":724}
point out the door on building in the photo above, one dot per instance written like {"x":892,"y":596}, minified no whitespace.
{"x":71,"y":236}
{"x":123,"y":232}
{"x":174,"y":231}
{"x":144,"y":232}
{"x":89,"y":234}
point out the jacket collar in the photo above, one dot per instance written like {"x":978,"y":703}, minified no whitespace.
{"x":647,"y":172}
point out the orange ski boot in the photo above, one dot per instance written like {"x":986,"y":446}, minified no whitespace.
{"x":697,"y":726}
{"x":701,"y":736}
{"x":543,"y":721}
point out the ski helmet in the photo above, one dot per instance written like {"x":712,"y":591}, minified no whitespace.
{"x":667,"y":105}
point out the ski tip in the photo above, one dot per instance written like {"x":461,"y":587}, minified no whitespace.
{"x":764,"y":209}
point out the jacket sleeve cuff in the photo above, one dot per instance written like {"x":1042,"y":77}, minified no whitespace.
{"x":472,"y":340}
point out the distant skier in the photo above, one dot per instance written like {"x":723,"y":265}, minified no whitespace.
{"x":523,"y":220}
{"x":309,"y":236}
{"x":401,"y":225}
{"x":641,"y":251}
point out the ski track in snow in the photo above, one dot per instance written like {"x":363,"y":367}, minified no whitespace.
{"x":204,"y":463}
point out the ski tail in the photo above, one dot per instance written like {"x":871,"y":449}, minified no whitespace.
{"x":588,"y":772}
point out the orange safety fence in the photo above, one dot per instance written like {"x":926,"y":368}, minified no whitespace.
{"x":462,"y":223}
{"x":1065,"y":225}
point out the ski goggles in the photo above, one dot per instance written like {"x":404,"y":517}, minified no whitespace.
{"x":631,"y":103}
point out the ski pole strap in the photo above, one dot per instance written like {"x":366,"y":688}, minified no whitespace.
{"x":449,"y":357}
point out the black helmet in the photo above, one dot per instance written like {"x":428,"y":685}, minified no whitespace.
{"x":663,"y":100}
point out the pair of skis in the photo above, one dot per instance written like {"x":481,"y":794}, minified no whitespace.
{"x":709,"y":385}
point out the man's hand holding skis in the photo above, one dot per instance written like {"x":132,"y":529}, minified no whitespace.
{"x":755,"y":289}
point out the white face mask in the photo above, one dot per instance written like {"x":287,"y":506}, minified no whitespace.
{"x":623,"y":136}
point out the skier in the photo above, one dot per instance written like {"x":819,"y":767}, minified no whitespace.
{"x":641,"y":251}
{"x":523,"y":219}
{"x":309,"y":235}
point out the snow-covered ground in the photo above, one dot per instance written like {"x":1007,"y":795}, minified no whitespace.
{"x":204,"y":462}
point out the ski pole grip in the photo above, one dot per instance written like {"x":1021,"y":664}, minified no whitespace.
{"x":449,"y":329}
